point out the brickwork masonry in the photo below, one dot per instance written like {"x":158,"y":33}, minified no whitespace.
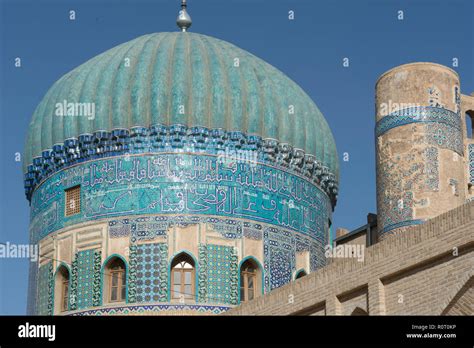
{"x":426,"y":270}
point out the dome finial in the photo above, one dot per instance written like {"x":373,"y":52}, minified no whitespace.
{"x":184,"y":19}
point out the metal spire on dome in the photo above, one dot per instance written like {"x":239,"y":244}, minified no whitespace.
{"x":184,"y":19}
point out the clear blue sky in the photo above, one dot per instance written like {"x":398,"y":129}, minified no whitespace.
{"x":309,"y":50}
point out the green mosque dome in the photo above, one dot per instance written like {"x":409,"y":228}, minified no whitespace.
{"x":182,"y":78}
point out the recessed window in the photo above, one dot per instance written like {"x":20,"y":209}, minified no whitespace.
{"x":359,"y":311}
{"x":183,"y":277}
{"x":64,"y":295}
{"x":470,"y":124}
{"x":249,"y":281}
{"x":115,"y":277}
{"x":300,"y":274}
{"x":62,"y":289}
{"x":73,"y":201}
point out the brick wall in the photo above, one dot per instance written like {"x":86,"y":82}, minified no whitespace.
{"x":424,"y":270}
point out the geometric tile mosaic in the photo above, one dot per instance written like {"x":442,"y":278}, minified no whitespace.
{"x":97,"y":285}
{"x":431,"y":168}
{"x":148,"y":280}
{"x":119,"y":228}
{"x":202,"y":276}
{"x":445,"y":136}
{"x":148,"y":227}
{"x":317,"y":258}
{"x":85,"y":291}
{"x":279,"y":257}
{"x":217,"y":277}
{"x":156,"y":309}
{"x":222,"y":274}
{"x":252,"y":231}
{"x":32,"y":297}
{"x":45,"y":289}
{"x":73,"y":288}
{"x":471,"y":163}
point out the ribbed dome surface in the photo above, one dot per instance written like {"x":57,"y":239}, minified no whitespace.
{"x":169,"y":71}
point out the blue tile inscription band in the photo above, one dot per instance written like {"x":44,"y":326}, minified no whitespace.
{"x":443,"y":126}
{"x":180,"y":139}
{"x":419,"y":114}
{"x":181,"y":184}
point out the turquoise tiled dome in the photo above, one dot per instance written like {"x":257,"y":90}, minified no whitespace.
{"x":148,"y":80}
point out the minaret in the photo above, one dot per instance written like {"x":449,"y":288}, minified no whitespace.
{"x":184,"y":19}
{"x":419,"y":145}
